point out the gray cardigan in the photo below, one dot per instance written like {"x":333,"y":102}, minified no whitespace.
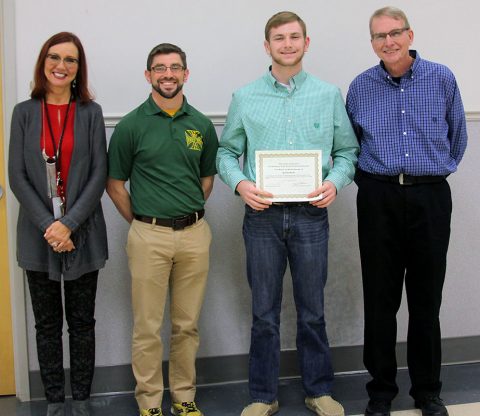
{"x":86,"y":183}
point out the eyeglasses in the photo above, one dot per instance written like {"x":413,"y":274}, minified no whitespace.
{"x":69,"y":62}
{"x":161,"y":69}
{"x":394,"y":34}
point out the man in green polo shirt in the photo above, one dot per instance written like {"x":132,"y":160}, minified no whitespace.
{"x":166,"y":149}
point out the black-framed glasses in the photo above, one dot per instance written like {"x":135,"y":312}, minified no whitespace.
{"x":68,"y":61}
{"x":394,"y":34}
{"x":174,"y":68}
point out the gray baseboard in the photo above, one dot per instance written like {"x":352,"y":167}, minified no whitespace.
{"x":232,"y":368}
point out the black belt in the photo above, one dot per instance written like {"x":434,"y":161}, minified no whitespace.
{"x":403,"y":179}
{"x":291,"y":204}
{"x":178,"y":223}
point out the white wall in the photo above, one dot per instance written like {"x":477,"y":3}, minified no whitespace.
{"x":224,"y":41}
{"x":224,"y":45}
{"x":225,"y":320}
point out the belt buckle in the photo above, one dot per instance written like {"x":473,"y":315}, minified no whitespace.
{"x":179,"y":223}
{"x":401,"y":180}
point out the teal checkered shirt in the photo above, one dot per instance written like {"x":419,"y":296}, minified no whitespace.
{"x":308,"y":114}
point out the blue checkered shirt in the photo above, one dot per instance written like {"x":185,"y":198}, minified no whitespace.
{"x":309,"y":114}
{"x":416,"y":126}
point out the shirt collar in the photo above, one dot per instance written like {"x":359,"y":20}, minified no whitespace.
{"x":413,"y":69}
{"x":152,"y":108}
{"x":295,"y":82}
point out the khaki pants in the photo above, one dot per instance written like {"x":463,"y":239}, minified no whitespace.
{"x":162,"y":260}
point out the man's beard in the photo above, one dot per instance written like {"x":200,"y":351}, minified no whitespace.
{"x":164,"y":94}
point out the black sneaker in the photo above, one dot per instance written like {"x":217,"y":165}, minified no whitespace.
{"x":378,"y":408}
{"x":431,"y":406}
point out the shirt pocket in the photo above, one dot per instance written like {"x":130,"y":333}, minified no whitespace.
{"x":318,"y":131}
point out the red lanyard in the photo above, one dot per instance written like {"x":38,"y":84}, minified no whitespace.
{"x":57,"y":151}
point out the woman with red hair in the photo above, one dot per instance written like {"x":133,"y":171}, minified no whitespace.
{"x":57,"y":170}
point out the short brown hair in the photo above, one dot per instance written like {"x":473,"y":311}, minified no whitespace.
{"x":165,"y":49}
{"x":389,"y":11}
{"x":281,"y":18}
{"x":40,"y":83}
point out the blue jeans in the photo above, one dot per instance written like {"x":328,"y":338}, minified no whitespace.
{"x":299,"y":235}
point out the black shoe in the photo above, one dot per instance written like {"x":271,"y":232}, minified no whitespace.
{"x":378,"y":408}
{"x":431,"y":406}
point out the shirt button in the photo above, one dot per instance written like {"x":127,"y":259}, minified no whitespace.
{"x":289,"y":121}
{"x":402,"y":90}
{"x":404,"y":133}
{"x":406,"y":154}
{"x":403,"y":111}
{"x":291,"y":142}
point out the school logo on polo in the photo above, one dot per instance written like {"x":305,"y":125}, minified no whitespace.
{"x":194,"y":139}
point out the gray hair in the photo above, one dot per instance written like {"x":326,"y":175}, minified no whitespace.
{"x":392,"y":12}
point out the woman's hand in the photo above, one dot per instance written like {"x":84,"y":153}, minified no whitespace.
{"x":58,"y":237}
{"x":60,"y":248}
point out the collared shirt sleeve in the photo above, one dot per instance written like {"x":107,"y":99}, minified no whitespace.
{"x":233,"y":143}
{"x":345,"y":147}
{"x":457,"y":125}
{"x":120,"y":153}
{"x":207,"y":163}
{"x":351,"y":106}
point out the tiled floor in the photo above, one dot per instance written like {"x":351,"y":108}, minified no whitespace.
{"x":461,"y":392}
{"x":471,"y":409}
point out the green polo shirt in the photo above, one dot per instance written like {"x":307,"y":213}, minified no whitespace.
{"x":164,"y":158}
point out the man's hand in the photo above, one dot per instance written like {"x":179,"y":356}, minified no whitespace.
{"x":253,"y":196}
{"x":120,"y":197}
{"x":327,"y":191}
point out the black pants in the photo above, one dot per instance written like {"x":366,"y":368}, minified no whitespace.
{"x":79,"y":310}
{"x":404,"y":233}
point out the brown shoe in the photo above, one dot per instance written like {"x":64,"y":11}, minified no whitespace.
{"x":324,"y":406}
{"x":260,"y":409}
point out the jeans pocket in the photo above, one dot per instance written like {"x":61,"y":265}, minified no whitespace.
{"x":313,"y":211}
{"x":250,"y":211}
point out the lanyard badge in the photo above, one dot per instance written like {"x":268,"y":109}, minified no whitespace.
{"x":51,"y":175}
{"x":58,"y":205}
{"x":54,"y":180}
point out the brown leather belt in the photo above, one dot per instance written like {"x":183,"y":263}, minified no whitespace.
{"x":178,"y":223}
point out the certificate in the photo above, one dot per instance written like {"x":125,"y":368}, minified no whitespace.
{"x":290,"y":175}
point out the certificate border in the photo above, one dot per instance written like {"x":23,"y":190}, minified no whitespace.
{"x":261,"y":155}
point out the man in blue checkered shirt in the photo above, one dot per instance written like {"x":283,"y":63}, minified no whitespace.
{"x":408,"y":116}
